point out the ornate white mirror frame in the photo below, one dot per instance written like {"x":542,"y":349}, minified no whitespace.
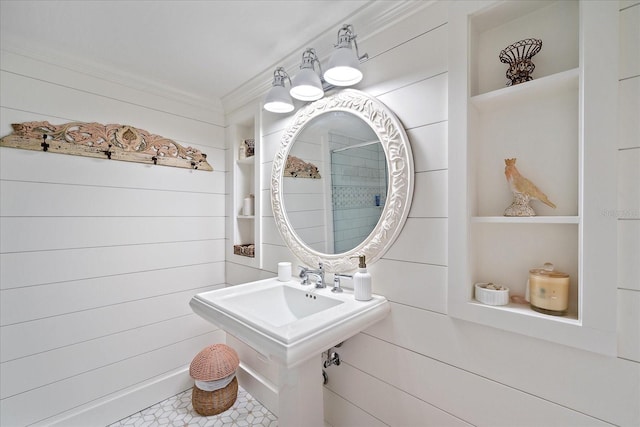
{"x":399,"y":158}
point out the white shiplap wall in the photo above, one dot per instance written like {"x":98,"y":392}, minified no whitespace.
{"x":98,"y":258}
{"x":628,"y":209}
{"x":419,"y":367}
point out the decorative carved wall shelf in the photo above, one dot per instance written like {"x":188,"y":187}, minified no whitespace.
{"x":298,"y":168}
{"x":111,"y":141}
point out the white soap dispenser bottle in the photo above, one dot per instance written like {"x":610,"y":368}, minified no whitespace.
{"x":362,"y":281}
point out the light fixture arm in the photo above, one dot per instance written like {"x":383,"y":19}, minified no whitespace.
{"x":279,"y":74}
{"x":346,"y":36}
{"x":309,"y":58}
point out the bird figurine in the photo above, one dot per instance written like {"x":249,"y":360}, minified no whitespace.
{"x":523,"y":190}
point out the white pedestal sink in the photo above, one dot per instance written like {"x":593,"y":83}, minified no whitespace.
{"x":291,"y":325}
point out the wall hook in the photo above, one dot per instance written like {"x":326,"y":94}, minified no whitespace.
{"x":44,"y":145}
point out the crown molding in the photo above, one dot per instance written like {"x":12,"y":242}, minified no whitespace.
{"x":369,"y":20}
{"x":63,"y":59}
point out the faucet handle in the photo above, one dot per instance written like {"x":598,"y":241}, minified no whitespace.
{"x":303,"y":271}
{"x":304,"y":275}
{"x":336,"y":282}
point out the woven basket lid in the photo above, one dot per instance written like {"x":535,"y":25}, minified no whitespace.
{"x":214,"y":362}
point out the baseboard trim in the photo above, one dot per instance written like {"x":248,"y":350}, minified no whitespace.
{"x":117,"y":406}
{"x":263,"y":390}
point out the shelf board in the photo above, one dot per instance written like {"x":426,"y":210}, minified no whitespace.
{"x":246,"y":161}
{"x":526,"y":219}
{"x":544,"y":86}
{"x":245,"y":216}
{"x":525,"y":309}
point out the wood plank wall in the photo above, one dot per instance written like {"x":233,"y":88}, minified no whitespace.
{"x":98,"y":258}
{"x":419,"y":367}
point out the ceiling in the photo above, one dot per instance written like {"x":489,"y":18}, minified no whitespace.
{"x":203,"y":49}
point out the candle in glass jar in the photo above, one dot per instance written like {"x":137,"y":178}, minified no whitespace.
{"x":549,"y":291}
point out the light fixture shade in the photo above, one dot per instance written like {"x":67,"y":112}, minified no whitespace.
{"x":343,"y":68}
{"x":278,"y":100}
{"x":306,"y":85}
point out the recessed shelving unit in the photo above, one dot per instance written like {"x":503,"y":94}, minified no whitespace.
{"x":554,"y":127}
{"x":245,"y":176}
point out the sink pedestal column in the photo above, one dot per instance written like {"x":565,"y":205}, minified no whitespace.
{"x":300,"y":400}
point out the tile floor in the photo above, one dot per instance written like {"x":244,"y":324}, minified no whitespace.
{"x":177,"y":411}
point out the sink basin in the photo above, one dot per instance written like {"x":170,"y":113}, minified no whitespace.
{"x":285,"y":321}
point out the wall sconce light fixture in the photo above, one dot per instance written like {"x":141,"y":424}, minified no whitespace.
{"x":309,"y":85}
{"x":306,"y":85}
{"x":344,"y":65}
{"x":278,"y":99}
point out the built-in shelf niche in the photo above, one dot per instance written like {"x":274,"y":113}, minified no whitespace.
{"x":546,"y":125}
{"x":245,"y":175}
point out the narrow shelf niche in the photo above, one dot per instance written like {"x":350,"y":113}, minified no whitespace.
{"x":245,"y":230}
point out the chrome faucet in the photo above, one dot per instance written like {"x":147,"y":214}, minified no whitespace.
{"x":319,"y":273}
{"x":336,"y":282}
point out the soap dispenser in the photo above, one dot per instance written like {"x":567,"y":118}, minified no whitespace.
{"x":362,"y":281}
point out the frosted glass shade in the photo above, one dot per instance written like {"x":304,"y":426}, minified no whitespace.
{"x":343,"y":68}
{"x":306,"y":85}
{"x":278,"y":100}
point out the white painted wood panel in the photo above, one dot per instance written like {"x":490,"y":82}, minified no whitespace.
{"x":267,"y":210}
{"x":40,"y":167}
{"x":77,"y":327}
{"x":412,"y":61}
{"x":79,"y":200}
{"x":624,"y":4}
{"x":411,"y":283}
{"x":421,"y":103}
{"x":99,"y":383}
{"x":240,"y":273}
{"x":274,"y":254}
{"x":629,"y":324}
{"x":629,"y":254}
{"x":421,"y":240}
{"x":75,"y":264}
{"x":65,"y":169}
{"x":429,"y":146}
{"x":629,"y":41}
{"x":28,"y":373}
{"x":45,"y":98}
{"x":477,"y":400}
{"x":467,"y":346}
{"x":383,"y":401}
{"x":628,"y":111}
{"x":430,"y":195}
{"x":54,"y":233}
{"x":339,"y":412}
{"x":42,"y":70}
{"x":31,"y":303}
{"x":628,"y":187}
{"x":405,"y":28}
{"x":270,"y":234}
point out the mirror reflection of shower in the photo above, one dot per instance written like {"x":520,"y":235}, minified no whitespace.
{"x":359,"y":189}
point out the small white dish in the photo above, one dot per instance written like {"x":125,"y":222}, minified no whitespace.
{"x":498,"y":296}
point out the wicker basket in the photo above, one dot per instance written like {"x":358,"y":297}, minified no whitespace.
{"x":207,"y":403}
{"x":215,"y":362}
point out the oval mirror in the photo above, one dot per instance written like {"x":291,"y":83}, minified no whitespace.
{"x":342,"y":181}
